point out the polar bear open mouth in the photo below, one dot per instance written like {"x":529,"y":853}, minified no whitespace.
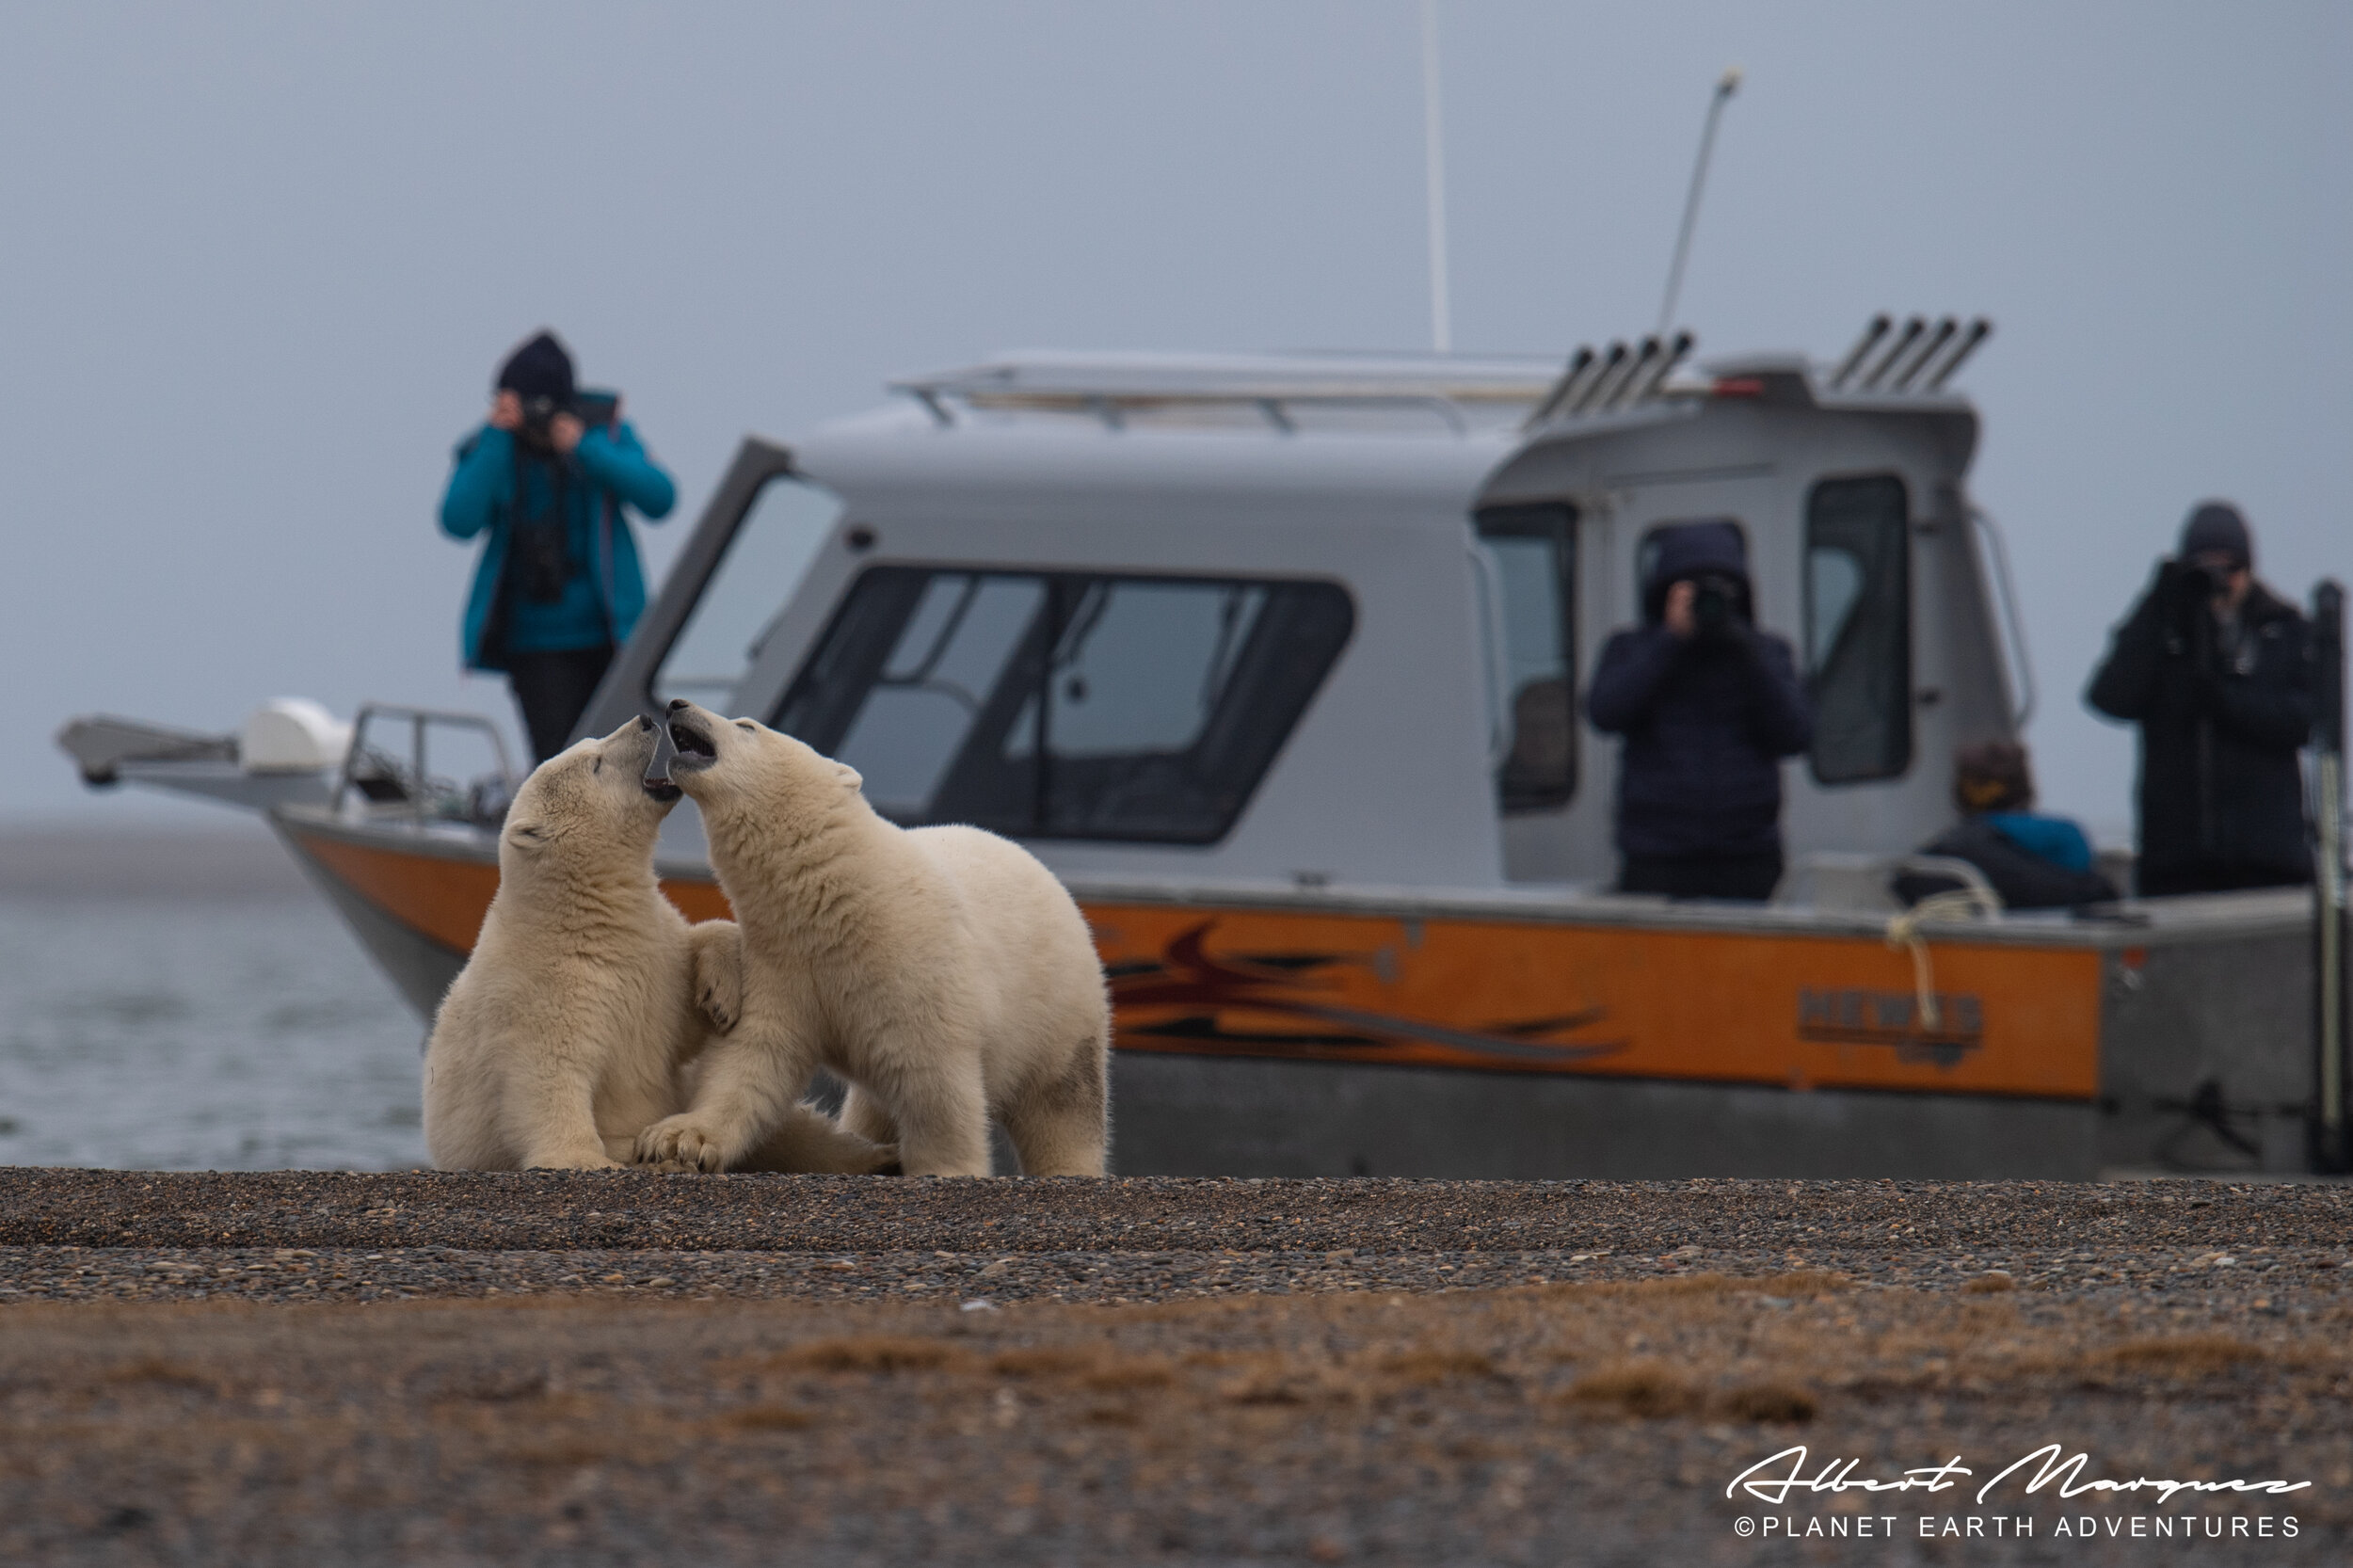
{"x":695,"y":748}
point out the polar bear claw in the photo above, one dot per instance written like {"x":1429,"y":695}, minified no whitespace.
{"x":682,"y":1143}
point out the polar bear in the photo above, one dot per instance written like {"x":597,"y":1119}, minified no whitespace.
{"x":942,"y":972}
{"x":579,"y":1017}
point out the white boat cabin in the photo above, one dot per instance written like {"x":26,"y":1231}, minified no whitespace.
{"x":1325,"y":619}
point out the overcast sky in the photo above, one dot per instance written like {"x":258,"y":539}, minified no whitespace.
{"x":257,"y":264}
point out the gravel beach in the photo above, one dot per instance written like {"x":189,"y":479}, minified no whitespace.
{"x":555,"y":1368}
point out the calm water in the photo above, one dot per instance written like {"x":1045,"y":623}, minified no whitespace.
{"x":182,"y":1034}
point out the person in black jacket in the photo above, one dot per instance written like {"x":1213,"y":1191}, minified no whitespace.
{"x":2216,"y":670}
{"x":1708,"y":706}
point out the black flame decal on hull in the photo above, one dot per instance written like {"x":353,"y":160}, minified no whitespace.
{"x":1188,"y":976}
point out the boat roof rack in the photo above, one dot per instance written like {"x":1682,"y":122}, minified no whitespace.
{"x":1916,"y":362}
{"x":1111,"y":386}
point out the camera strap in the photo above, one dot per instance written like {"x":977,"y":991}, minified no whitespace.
{"x":608,"y":518}
{"x":539,"y":562}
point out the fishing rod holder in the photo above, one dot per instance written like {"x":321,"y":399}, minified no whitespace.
{"x":1921,"y":359}
{"x":1598,"y":383}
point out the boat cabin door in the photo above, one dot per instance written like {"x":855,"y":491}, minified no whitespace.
{"x":1862,"y":555}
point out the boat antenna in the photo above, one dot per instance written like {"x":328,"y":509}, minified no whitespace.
{"x":1726,"y":85}
{"x":1433,"y":158}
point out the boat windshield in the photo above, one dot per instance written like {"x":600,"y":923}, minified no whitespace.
{"x":764,"y":561}
{"x":1063,"y":704}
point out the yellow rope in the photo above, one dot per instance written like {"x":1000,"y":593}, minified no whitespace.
{"x":1904,"y":932}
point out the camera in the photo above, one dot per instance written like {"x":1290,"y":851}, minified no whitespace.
{"x":539,"y":419}
{"x":595,"y":409}
{"x":2189,"y":585}
{"x":1717,"y":601}
{"x":2204,"y":576}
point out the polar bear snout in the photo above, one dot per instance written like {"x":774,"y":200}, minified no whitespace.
{"x":656,"y":780}
{"x":693,"y":739}
{"x":616,"y":781}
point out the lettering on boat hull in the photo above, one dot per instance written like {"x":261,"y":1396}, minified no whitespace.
{"x":1855,"y":1017}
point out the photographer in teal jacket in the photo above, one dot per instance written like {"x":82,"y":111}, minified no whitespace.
{"x":558,"y":588}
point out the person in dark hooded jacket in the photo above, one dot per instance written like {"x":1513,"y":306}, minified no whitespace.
{"x":1708,"y":706}
{"x":2216,"y":670}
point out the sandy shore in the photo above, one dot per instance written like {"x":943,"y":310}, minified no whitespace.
{"x":304,"y":1368}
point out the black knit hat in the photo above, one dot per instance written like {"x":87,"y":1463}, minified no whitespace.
{"x":2216,"y":526}
{"x":539,"y":368}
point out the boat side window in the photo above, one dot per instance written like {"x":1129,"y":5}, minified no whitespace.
{"x":764,"y":560}
{"x":1858,"y":628}
{"x":1534,"y":552}
{"x":1064,"y":705}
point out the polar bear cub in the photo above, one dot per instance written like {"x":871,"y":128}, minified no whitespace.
{"x":942,"y":972}
{"x":589,"y":996}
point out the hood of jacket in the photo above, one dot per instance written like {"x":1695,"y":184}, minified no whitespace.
{"x":1687,"y":549}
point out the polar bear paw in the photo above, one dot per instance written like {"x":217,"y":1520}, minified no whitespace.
{"x":680,"y":1144}
{"x":722,"y":1006}
{"x":718,"y":951}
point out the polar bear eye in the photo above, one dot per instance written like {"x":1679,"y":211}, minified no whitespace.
{"x":599,"y":767}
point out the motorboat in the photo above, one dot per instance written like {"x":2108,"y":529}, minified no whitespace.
{"x":1276,"y":661}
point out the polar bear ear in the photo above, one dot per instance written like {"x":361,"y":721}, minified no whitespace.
{"x":848,"y":777}
{"x":526,"y":835}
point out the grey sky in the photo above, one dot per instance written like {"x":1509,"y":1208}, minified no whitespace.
{"x":259,"y":262}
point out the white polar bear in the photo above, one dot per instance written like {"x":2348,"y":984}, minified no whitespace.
{"x":942,"y":972}
{"x":588,"y":997}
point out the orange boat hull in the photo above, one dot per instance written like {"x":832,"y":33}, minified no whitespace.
{"x":1518,"y":996}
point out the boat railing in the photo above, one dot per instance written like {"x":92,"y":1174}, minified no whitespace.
{"x":1846,"y":881}
{"x":386,"y":782}
{"x":2012,"y":633}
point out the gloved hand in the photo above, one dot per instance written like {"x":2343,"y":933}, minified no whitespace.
{"x":2179,"y":589}
{"x":2190,"y":594}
